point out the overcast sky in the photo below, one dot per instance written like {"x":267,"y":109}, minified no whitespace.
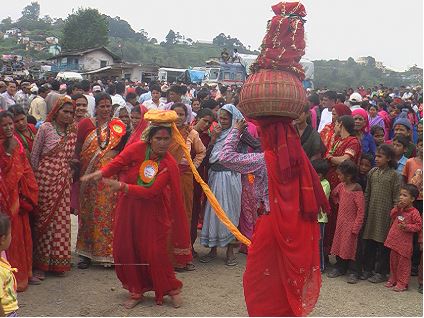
{"x":389,"y":30}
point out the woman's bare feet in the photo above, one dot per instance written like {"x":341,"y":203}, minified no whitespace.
{"x":131,"y":302}
{"x":177,"y":300}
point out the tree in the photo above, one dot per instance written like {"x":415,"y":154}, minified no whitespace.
{"x":351,"y":61}
{"x":6,"y":24}
{"x":31,"y":12}
{"x":220,"y":40}
{"x":171,"y":37}
{"x":86,"y":28}
{"x":370,"y":61}
{"x":153,"y":41}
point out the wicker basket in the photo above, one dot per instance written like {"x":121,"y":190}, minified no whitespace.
{"x":272,"y":93}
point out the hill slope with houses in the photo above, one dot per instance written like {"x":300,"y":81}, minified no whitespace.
{"x":36,"y":40}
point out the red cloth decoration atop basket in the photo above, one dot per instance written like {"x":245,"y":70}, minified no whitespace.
{"x":284,"y":43}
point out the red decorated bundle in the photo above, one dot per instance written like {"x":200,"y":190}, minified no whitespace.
{"x":275,"y":88}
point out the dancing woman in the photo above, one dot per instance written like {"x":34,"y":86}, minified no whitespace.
{"x":145,"y":219}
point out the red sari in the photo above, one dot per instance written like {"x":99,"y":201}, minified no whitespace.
{"x":282,"y":276}
{"x":22,"y":198}
{"x":144,"y":223}
{"x":27,"y":141}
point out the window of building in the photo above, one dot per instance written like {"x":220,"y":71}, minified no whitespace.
{"x":103,"y":63}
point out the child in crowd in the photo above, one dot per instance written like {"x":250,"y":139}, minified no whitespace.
{"x":321,"y":166}
{"x":400,"y":144}
{"x":365,"y":166}
{"x":413,"y":173}
{"x":406,"y":220}
{"x":403,"y":127}
{"x":135,"y":116}
{"x":8,"y":286}
{"x":350,"y":199}
{"x":381,"y":195}
{"x":378,"y":134}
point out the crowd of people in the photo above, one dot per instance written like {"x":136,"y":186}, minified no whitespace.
{"x":97,"y":150}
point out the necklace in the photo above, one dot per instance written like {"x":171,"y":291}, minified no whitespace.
{"x":60,"y":133}
{"x":102,"y":145}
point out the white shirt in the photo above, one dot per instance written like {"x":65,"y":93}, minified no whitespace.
{"x":151,"y":105}
{"x":118,"y":99}
{"x":407,"y":95}
{"x":326,"y":118}
{"x":9,"y":100}
{"x":91,"y":104}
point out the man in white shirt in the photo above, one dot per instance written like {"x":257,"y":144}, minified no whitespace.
{"x":155,"y":102}
{"x":22,"y":96}
{"x":9,"y":95}
{"x":328,"y":100}
{"x":91,"y":103}
{"x":38,"y":107}
{"x":118,"y":97}
{"x":355,"y":101}
{"x":408,"y":94}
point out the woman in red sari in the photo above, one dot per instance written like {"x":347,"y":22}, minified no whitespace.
{"x":282,"y":276}
{"x":145,"y":218}
{"x":346,"y":146}
{"x":98,"y":142}
{"x":327,"y":133}
{"x":54,"y":147}
{"x":22,"y":198}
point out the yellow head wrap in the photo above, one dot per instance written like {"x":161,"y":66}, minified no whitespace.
{"x":167,"y":118}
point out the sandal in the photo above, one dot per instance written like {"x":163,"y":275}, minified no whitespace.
{"x":39,"y":274}
{"x":399,"y":288}
{"x":335,"y":272}
{"x":377,"y":279}
{"x":231,"y":261}
{"x":34,"y":281}
{"x":207,"y":258}
{"x":84,"y":263}
{"x":188,"y":268}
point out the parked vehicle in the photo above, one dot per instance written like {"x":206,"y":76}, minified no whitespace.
{"x":170,"y":75}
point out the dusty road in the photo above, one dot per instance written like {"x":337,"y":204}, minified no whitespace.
{"x":211,"y":290}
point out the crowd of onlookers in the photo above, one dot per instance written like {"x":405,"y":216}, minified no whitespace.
{"x":365,"y":145}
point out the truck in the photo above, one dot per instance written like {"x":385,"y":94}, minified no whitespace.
{"x":231,"y":73}
{"x":169,"y":74}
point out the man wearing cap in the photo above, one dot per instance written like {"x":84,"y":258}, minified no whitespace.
{"x":355,"y":101}
{"x":34,"y":92}
{"x":402,"y":126}
{"x":9,"y":95}
{"x":38,"y":107}
{"x":22,"y":96}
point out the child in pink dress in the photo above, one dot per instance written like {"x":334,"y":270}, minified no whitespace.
{"x":348,"y":194}
{"x":406,"y":220}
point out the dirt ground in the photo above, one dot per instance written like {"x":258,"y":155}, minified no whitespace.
{"x":211,"y":290}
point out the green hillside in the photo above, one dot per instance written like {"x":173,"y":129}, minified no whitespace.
{"x":180,"y":52}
